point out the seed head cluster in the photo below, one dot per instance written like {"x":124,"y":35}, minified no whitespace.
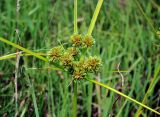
{"x":73,"y":59}
{"x":88,"y":41}
{"x":76,"y":40}
{"x":55,"y":53}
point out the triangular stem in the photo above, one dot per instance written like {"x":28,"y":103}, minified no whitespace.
{"x":94,"y":18}
{"x":123,"y":95}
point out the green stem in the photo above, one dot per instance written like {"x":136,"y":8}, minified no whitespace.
{"x":75,"y":99}
{"x":75,"y":82}
{"x":13,"y":55}
{"x":75,"y":17}
{"x":121,"y":94}
{"x":152,"y":84}
{"x":23,"y":49}
{"x":89,"y":98}
{"x":146,"y":17}
{"x":34,"y":98}
{"x":95,"y":15}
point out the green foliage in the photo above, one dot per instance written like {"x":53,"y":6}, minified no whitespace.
{"x":122,"y":35}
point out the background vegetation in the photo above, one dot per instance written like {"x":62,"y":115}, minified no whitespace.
{"x":123,"y":35}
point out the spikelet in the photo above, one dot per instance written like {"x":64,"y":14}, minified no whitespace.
{"x":88,"y":41}
{"x":72,"y":51}
{"x":93,"y":64}
{"x":66,"y":60}
{"x":55,"y":53}
{"x":76,"y":40}
{"x":78,"y":74}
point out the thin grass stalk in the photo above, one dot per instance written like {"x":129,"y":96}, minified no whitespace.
{"x":89,"y":98}
{"x":75,"y":17}
{"x":94,"y":18}
{"x":51,"y":95}
{"x":146,"y":17}
{"x":23,"y":49}
{"x":23,"y":112}
{"x":13,"y":55}
{"x":33,"y":97}
{"x":140,"y":109}
{"x":75,"y":99}
{"x":16,"y":82}
{"x":17,"y":58}
{"x":123,"y":95}
{"x":75,"y":82}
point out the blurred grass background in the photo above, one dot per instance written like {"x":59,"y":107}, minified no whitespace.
{"x":122,"y":35}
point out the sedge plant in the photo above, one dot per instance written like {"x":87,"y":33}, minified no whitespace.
{"x":73,"y":58}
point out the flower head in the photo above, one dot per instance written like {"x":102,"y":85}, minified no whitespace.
{"x":55,"y":53}
{"x":88,"y":41}
{"x":72,"y":51}
{"x":79,"y":71}
{"x":66,"y":59}
{"x":76,"y":40}
{"x":73,"y":58}
{"x":93,"y":64}
{"x":78,"y":64}
{"x":78,"y":74}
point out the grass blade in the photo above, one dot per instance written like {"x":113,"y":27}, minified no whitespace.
{"x":146,"y":17}
{"x":89,"y":98}
{"x":74,"y":109}
{"x":75,"y":99}
{"x":23,"y":112}
{"x":13,"y":55}
{"x":23,"y":49}
{"x":75,"y":17}
{"x":123,"y":95}
{"x":34,"y":98}
{"x":95,"y":15}
{"x":139,"y":111}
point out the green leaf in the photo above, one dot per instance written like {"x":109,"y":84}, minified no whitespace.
{"x":123,"y":95}
{"x":23,"y":49}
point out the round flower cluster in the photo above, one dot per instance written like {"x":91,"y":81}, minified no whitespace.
{"x":72,"y":58}
{"x":84,"y":42}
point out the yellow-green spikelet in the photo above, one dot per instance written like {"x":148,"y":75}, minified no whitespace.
{"x":88,"y":41}
{"x":78,"y":74}
{"x":55,"y":53}
{"x":76,"y":40}
{"x":66,"y":59}
{"x":72,"y":51}
{"x":93,"y":64}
